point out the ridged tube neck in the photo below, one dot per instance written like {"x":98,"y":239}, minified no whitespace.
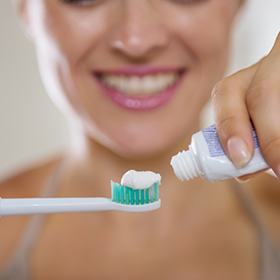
{"x":185,"y":166}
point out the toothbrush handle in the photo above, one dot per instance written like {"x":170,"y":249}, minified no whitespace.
{"x":30,"y":206}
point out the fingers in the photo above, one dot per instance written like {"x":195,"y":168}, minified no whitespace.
{"x":270,"y":172}
{"x":263,"y":102}
{"x":252,"y":94}
{"x":247,"y":178}
{"x":232,"y":117}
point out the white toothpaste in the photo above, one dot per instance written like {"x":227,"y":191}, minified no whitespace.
{"x":140,"y":179}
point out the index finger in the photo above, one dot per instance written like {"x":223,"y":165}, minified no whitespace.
{"x":232,"y":117}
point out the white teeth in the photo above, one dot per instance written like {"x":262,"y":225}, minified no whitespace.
{"x":133,"y":84}
{"x":140,"y":85}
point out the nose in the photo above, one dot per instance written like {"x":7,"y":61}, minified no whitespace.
{"x":140,"y":31}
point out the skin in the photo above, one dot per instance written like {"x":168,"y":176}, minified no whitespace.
{"x":252,"y":87}
{"x":70,"y":42}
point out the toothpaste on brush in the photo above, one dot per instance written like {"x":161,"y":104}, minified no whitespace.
{"x":206,"y":158}
{"x":140,"y":179}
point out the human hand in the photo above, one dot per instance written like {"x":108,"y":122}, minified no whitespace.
{"x":252,"y":94}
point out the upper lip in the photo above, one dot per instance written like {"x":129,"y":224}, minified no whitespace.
{"x":139,"y":71}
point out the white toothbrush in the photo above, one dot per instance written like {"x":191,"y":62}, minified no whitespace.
{"x":9,"y":207}
{"x":123,"y":199}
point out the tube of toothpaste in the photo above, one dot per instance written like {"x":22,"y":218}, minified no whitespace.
{"x":206,"y":158}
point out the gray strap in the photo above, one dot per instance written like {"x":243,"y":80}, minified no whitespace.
{"x":249,"y":207}
{"x":18,"y":265}
{"x":269,"y":251}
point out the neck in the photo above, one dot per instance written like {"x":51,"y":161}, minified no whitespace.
{"x":93,"y":166}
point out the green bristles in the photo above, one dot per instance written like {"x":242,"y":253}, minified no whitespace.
{"x":126,"y":195}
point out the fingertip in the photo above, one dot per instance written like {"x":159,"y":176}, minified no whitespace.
{"x":271,"y":173}
{"x":238,"y":151}
{"x":276,"y":170}
{"x":241,"y":180}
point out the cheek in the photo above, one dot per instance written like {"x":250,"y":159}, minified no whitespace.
{"x":204,"y":31}
{"x":66,"y":34}
{"x":207,"y":43}
{"x":204,"y":39}
{"x":205,"y":36}
{"x":64,"y":50}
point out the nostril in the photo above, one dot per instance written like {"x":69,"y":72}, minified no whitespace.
{"x":139,"y":39}
{"x":133,"y":46}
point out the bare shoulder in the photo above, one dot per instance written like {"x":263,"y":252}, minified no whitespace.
{"x":24,"y":183}
{"x":27,"y":181}
{"x":265,"y":192}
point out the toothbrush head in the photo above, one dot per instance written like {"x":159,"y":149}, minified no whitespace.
{"x":136,"y":197}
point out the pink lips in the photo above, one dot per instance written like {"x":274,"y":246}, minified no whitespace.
{"x":142,"y":103}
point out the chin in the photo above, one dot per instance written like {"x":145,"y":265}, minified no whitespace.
{"x":141,"y":148}
{"x":139,"y":153}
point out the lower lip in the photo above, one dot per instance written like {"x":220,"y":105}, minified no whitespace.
{"x":140,"y":103}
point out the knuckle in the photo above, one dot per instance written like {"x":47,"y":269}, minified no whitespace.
{"x":278,"y":38}
{"x":226,"y":126}
{"x":221,"y":88}
{"x":256,"y":95}
{"x":217,"y":90}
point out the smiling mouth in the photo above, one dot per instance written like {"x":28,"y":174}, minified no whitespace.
{"x":140,"y":88}
{"x":132,"y":85}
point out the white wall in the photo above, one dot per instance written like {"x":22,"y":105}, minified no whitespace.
{"x":256,"y":31}
{"x":31,"y":127}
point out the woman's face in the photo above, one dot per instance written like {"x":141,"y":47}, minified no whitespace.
{"x":135,"y":72}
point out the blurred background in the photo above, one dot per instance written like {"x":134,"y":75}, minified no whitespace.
{"x":31,"y":128}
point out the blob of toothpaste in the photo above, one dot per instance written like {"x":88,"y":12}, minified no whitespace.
{"x":140,"y":179}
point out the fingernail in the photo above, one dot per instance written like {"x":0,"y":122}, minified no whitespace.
{"x":272,"y":173}
{"x":277,"y":171}
{"x":242,"y":181}
{"x":238,"y":151}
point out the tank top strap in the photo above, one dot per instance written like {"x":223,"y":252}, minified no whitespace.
{"x":249,"y":207}
{"x":17,"y":267}
{"x":269,"y":250}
